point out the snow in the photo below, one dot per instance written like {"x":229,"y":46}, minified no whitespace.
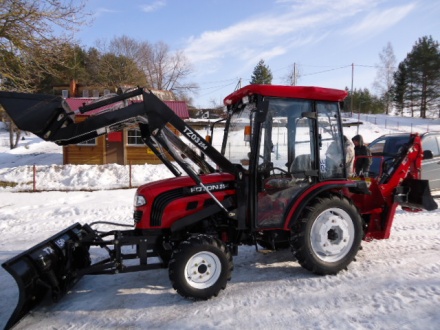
{"x":394,"y":284}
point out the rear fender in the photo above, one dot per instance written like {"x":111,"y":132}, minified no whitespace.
{"x":306,"y":197}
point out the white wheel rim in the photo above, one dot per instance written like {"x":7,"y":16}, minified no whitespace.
{"x":332,"y":235}
{"x":202,"y":270}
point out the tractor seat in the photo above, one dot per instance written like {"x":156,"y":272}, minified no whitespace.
{"x":300,"y":164}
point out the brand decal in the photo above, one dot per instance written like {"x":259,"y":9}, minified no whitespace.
{"x":193,"y":136}
{"x":211,"y":187}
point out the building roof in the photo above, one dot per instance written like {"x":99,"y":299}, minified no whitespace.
{"x":180,"y":108}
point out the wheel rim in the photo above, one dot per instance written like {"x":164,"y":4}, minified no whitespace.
{"x":332,"y":235}
{"x":202,"y":270}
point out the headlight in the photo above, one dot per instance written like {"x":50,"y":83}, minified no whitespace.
{"x":139,"y":200}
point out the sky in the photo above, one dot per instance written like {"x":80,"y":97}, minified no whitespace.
{"x":332,"y":43}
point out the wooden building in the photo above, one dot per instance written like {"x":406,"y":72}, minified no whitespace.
{"x":123,"y":147}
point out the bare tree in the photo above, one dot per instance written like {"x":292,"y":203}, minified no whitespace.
{"x":28,"y":38}
{"x":126,"y":46}
{"x":163,"y":69}
{"x":117,"y":71}
{"x":383,"y":83}
{"x":29,"y":44}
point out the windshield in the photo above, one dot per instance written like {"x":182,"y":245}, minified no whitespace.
{"x":289,"y":137}
{"x":388,"y":145}
{"x":284,"y":134}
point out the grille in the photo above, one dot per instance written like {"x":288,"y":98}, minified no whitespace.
{"x":137,"y":216}
{"x":160,"y":203}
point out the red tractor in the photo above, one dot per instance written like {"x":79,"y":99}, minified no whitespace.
{"x":279,"y":181}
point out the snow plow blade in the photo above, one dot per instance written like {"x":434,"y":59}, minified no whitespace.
{"x":50,"y":266}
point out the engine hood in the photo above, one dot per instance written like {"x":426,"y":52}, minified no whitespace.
{"x":212,"y":181}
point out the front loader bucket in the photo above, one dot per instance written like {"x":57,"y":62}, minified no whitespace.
{"x":38,"y":114}
{"x":50,"y":266}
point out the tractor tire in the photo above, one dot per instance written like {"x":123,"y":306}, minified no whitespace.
{"x":328,"y":235}
{"x":200,"y":267}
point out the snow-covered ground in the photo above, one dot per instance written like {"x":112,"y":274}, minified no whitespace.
{"x":394,"y":284}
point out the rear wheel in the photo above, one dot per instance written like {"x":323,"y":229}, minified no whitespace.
{"x":328,"y":235}
{"x":200,"y":267}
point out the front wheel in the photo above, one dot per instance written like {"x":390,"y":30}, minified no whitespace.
{"x":328,"y":235}
{"x":200,"y":267}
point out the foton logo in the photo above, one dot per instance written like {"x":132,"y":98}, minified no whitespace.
{"x":192,"y":136}
{"x":210,"y":187}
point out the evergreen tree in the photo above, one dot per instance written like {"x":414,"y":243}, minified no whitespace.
{"x":364,"y":102}
{"x":399,"y":88}
{"x":418,"y":77}
{"x":424,"y":65}
{"x":261,"y":75}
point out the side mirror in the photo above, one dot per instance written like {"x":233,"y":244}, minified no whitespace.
{"x":427,"y":154}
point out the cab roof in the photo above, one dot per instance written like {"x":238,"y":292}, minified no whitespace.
{"x":295,"y":92}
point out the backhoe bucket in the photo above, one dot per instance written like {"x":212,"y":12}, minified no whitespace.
{"x":38,"y":114}
{"x":49,"y":266}
{"x":415,"y":194}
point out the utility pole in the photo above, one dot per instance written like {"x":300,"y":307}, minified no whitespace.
{"x":238,"y":86}
{"x":351,"y":98}
{"x":294,"y":74}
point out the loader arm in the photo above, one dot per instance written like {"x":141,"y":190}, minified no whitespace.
{"x":50,"y":118}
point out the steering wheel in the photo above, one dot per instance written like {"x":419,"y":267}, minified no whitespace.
{"x":281,"y":170}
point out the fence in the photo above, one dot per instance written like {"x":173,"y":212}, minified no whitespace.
{"x":404,"y":124}
{"x":80,"y":177}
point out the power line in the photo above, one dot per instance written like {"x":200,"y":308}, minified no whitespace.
{"x":334,"y":69}
{"x":218,"y":88}
{"x":220,"y":81}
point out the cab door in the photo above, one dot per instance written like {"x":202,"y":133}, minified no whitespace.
{"x":285,"y":159}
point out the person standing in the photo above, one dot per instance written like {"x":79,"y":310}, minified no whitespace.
{"x":362,"y":156}
{"x":349,"y":156}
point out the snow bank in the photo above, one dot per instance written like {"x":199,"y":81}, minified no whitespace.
{"x":80,"y":177}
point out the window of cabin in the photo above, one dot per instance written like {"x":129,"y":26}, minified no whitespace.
{"x":134,"y":138}
{"x":90,"y":143}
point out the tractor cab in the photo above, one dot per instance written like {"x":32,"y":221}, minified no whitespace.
{"x":287,"y":138}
